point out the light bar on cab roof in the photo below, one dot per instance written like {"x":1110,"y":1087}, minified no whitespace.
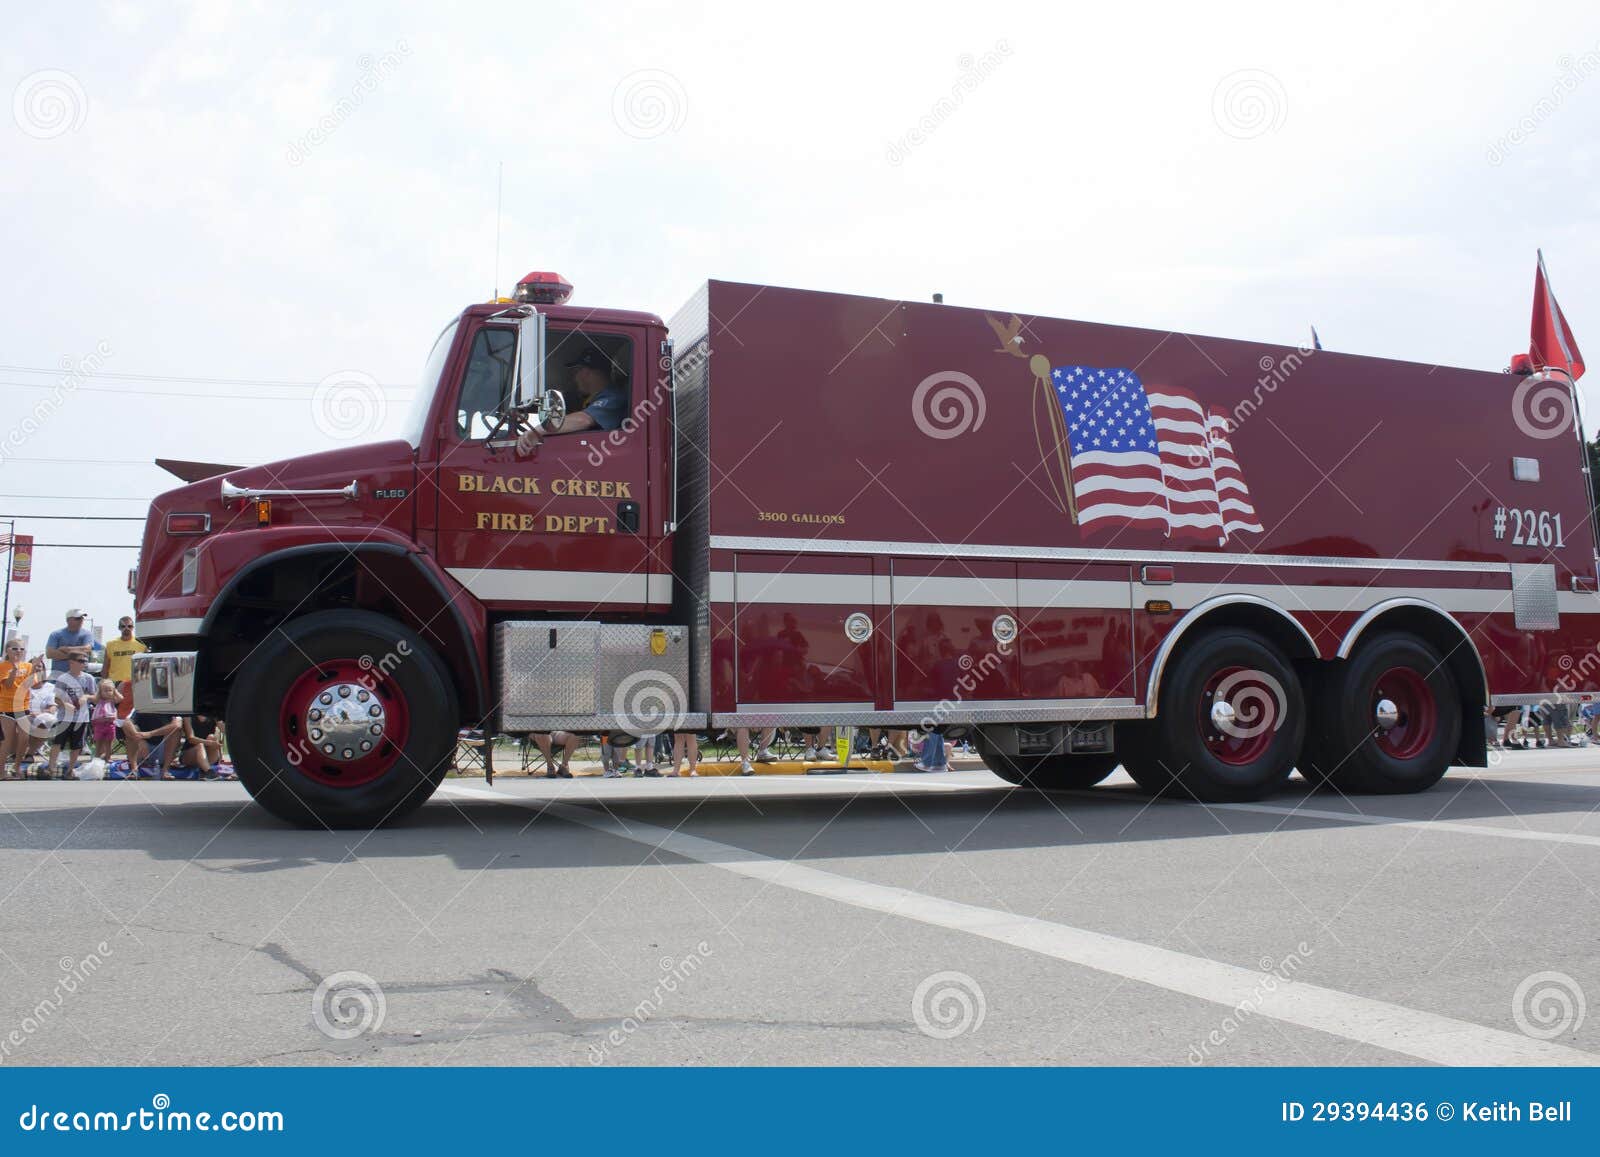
{"x":539,"y":288}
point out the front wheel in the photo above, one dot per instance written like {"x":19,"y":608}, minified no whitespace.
{"x":342,"y":719}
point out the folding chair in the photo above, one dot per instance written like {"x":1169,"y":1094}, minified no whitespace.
{"x":474,"y":751}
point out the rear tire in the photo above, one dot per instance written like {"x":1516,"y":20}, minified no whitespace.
{"x":1190,"y":751}
{"x":1349,"y":750}
{"x":342,"y":719}
{"x":1047,"y":772}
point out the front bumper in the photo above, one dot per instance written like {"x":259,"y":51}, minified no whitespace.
{"x":164,"y":683}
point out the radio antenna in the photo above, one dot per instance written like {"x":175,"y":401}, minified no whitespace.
{"x":499,"y":194}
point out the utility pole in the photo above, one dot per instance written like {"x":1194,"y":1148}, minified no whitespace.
{"x":10,"y":554}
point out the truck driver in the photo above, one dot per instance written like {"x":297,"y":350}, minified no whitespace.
{"x":602,"y":400}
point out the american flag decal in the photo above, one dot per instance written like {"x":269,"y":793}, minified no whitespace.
{"x":1148,"y":459}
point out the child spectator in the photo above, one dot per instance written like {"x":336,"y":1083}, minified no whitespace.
{"x":75,"y":695}
{"x":932,"y":756}
{"x":103,"y":722}
{"x":685,"y":743}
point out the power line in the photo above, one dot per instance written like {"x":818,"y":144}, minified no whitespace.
{"x":132,"y":393}
{"x":76,"y":497}
{"x":170,"y":378}
{"x":79,"y":517}
{"x":87,"y":545}
{"x":105,"y":461}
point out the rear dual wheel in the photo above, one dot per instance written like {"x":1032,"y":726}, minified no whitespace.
{"x":1046,"y":772}
{"x":342,"y":719}
{"x":1387,"y":721}
{"x":1231,"y":720}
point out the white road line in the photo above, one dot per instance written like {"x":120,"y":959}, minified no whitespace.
{"x":1424,"y":1035}
{"x":1420,"y":825}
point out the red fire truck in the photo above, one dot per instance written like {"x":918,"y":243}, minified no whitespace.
{"x":1209,"y":561}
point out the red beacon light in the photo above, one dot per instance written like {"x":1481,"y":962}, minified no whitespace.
{"x":543,"y":289}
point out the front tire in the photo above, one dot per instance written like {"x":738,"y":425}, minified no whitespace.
{"x":1231,"y":721}
{"x":342,"y":719}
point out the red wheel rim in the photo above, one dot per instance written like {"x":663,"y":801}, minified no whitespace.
{"x":344,"y":723}
{"x":1257,"y":705}
{"x":1417,"y":714}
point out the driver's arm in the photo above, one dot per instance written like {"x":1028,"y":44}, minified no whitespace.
{"x":534,"y":434}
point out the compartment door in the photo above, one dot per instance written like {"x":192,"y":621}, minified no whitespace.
{"x":955,"y":632}
{"x":798,"y":622}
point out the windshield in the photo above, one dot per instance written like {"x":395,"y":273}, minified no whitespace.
{"x":427,"y":385}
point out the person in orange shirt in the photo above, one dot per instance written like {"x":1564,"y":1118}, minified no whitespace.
{"x":16,"y":680}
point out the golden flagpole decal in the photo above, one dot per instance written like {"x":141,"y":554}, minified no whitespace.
{"x":1051,"y":435}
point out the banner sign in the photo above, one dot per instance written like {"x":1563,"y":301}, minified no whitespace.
{"x":21,"y":558}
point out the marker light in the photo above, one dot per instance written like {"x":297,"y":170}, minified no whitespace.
{"x":543,"y":289}
{"x":181,"y":523}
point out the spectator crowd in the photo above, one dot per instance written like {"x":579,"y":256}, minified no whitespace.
{"x":62,"y":719}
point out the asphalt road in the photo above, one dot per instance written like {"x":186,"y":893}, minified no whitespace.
{"x":872,"y":919}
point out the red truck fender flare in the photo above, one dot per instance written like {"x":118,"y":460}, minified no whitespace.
{"x":426,"y":567}
{"x":1196,"y":617}
{"x":1347,"y":645}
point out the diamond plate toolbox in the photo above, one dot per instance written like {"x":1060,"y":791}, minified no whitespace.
{"x":561,"y":675}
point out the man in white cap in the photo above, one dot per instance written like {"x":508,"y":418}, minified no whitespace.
{"x":72,"y":639}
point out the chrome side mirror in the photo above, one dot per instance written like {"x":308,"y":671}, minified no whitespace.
{"x":552,"y":410}
{"x":530,"y":385}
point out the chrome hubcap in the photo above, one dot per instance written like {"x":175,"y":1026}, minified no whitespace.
{"x":345,"y":721}
{"x":1222,"y":715}
{"x":1386,"y":714}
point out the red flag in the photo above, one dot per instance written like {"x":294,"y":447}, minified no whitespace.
{"x":1551,"y":343}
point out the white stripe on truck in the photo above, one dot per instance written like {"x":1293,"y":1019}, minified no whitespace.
{"x":564,"y":586}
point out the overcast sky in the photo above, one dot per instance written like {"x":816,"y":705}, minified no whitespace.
{"x":215,"y":208}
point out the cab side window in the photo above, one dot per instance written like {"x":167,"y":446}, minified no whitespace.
{"x":611,"y":355}
{"x":486,"y":386}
